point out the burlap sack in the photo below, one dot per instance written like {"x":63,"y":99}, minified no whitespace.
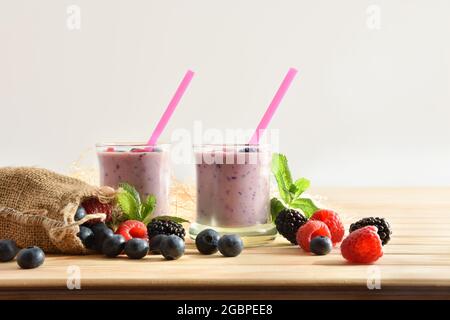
{"x":37,"y":207}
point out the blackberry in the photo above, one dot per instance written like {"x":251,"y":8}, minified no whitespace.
{"x":167,"y":227}
{"x":384,"y":230}
{"x":288,"y":222}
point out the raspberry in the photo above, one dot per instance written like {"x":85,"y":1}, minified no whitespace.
{"x":132,"y":229}
{"x":309,"y":231}
{"x":384,"y":229}
{"x":333,"y":222}
{"x":362,"y":246}
{"x":93,"y":205}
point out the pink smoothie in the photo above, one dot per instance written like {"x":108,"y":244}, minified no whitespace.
{"x":148,"y":172}
{"x":234,"y":191}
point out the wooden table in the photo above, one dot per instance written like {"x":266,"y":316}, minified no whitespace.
{"x":416,"y":263}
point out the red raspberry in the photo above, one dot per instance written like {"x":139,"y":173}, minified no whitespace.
{"x":309,"y":231}
{"x":334,"y":223}
{"x":362,"y":246}
{"x":110,"y":149}
{"x":132,"y":229}
{"x":93,"y":205}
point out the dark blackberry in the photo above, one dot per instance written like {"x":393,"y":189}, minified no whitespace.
{"x":167,"y":227}
{"x":384,"y":230}
{"x":287,"y":222}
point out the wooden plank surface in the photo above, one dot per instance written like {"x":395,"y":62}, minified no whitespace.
{"x":416,"y":263}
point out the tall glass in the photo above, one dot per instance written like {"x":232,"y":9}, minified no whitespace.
{"x":147,"y":169}
{"x":233,"y":191}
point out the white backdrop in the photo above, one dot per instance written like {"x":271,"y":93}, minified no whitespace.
{"x":371,"y":104}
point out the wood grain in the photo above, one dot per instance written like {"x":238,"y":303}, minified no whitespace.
{"x":416,"y":263}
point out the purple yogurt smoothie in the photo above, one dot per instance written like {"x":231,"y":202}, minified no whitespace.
{"x":148,"y":172}
{"x":234,"y":190}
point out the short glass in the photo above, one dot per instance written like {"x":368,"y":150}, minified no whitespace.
{"x":146,"y":168}
{"x":233,"y":191}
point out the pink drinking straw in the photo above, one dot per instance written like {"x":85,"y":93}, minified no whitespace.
{"x":170,"y":108}
{"x":273,"y":106}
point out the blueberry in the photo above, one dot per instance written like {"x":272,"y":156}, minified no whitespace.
{"x":155,"y":243}
{"x":320,"y":245}
{"x":136,"y":248}
{"x":8,"y":250}
{"x":30,"y":258}
{"x":80,"y":214}
{"x":249,"y":149}
{"x":230,"y":245}
{"x":86,"y":236}
{"x":172,"y":247}
{"x":101,"y":233}
{"x":98,"y":227}
{"x":207,"y":241}
{"x":113,"y":246}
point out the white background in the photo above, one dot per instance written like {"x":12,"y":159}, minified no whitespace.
{"x":369,"y":107}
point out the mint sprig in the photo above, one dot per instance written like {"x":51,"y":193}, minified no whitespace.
{"x":133,"y":208}
{"x":290,"y":192}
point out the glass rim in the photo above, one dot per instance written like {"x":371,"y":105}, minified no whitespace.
{"x":128,"y":144}
{"x":231,"y":145}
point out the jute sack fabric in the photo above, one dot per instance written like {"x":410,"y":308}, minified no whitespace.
{"x":37,"y":208}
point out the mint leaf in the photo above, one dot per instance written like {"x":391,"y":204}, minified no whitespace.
{"x":306,"y":205}
{"x":128,"y":205}
{"x":172,"y":218}
{"x":147,"y":209}
{"x":146,"y":219}
{"x":290,"y":192}
{"x":280,"y":170}
{"x":132,"y":191}
{"x":276,"y":206}
{"x":298,"y":187}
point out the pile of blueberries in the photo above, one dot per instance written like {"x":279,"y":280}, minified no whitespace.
{"x":101,"y":238}
{"x":172,"y":247}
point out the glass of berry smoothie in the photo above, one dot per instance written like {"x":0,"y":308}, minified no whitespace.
{"x":146,"y":168}
{"x":233,"y":191}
